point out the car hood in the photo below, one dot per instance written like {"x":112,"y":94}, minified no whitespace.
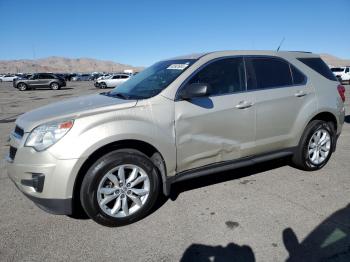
{"x":71,"y":109}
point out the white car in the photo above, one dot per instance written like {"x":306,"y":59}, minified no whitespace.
{"x":342,"y":73}
{"x":112,"y":81}
{"x":106,"y":76}
{"x":8,"y":78}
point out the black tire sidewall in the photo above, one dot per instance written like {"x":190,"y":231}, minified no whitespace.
{"x":88,"y":193}
{"x":317,"y":125}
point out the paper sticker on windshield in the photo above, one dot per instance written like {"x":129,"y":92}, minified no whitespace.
{"x":177,"y":66}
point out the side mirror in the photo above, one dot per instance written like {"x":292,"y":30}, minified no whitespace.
{"x":195,"y":90}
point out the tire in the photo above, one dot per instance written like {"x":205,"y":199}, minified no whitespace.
{"x":54,"y":86}
{"x":311,"y":154}
{"x":103,"y":85}
{"x":22,"y":86}
{"x":110,"y":203}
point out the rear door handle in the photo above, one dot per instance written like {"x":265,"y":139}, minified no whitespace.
{"x":244,"y":104}
{"x":300,"y":94}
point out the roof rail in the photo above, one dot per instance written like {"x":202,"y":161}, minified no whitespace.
{"x":307,"y":52}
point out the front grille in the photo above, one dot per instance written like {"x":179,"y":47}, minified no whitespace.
{"x":12,"y":152}
{"x":19,"y":131}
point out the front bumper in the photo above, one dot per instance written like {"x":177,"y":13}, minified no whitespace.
{"x":50,"y":205}
{"x":97,"y":84}
{"x":43,"y":178}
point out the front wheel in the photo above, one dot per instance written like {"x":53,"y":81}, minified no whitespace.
{"x":103,"y":85}
{"x":22,"y":87}
{"x":120,"y":188}
{"x":316,"y":146}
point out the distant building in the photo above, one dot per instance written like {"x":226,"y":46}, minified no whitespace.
{"x":128,"y":71}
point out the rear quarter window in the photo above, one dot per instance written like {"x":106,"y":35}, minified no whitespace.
{"x":319,"y":66}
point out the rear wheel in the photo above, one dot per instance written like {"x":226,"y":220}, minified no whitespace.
{"x":22,"y":87}
{"x":54,"y":86}
{"x":120,"y":188}
{"x":316,"y":146}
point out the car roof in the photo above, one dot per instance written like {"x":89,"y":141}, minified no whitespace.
{"x":287,"y":54}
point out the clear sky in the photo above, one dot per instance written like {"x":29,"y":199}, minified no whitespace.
{"x":142,"y":32}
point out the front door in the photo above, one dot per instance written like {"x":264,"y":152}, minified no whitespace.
{"x":219,"y":127}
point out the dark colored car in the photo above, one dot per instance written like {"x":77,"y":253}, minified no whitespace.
{"x":40,"y":80}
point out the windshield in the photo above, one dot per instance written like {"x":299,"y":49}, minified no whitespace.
{"x":152,"y":80}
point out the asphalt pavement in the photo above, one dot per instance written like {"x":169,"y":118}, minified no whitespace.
{"x":268,"y":212}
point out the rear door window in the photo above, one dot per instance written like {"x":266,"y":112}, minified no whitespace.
{"x":267,"y":72}
{"x":319,"y":66}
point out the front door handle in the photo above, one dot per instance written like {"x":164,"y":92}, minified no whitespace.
{"x":244,"y":104}
{"x":300,"y":93}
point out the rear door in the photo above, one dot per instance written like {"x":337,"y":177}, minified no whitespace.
{"x":281,"y":93}
{"x":219,"y":127}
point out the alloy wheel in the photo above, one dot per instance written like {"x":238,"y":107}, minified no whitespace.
{"x":319,"y":146}
{"x":123,"y":190}
{"x":22,"y":87}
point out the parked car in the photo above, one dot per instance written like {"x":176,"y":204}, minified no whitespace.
{"x":113,"y":153}
{"x":104,"y":76}
{"x":112,"y":81}
{"x":342,"y":73}
{"x":70,"y":76}
{"x":40,"y":80}
{"x":8,"y":78}
{"x":83,"y":77}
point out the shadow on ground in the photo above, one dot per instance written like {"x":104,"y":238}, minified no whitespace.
{"x":329,"y":241}
{"x":204,"y":253}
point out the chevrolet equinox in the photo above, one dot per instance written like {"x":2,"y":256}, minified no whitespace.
{"x":112,"y":154}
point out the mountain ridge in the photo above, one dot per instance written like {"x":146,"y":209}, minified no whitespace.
{"x":58,"y":64}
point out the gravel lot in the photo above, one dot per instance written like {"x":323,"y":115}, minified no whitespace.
{"x":269,"y":212}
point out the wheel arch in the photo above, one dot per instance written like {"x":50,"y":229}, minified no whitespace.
{"x":139,"y":145}
{"x":21,"y":82}
{"x":326,"y":116}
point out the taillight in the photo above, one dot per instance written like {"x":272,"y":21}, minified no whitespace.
{"x":341,"y":91}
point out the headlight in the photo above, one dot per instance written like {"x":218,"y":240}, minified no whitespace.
{"x":46,"y":135}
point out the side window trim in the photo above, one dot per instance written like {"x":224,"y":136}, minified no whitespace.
{"x":184,"y":83}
